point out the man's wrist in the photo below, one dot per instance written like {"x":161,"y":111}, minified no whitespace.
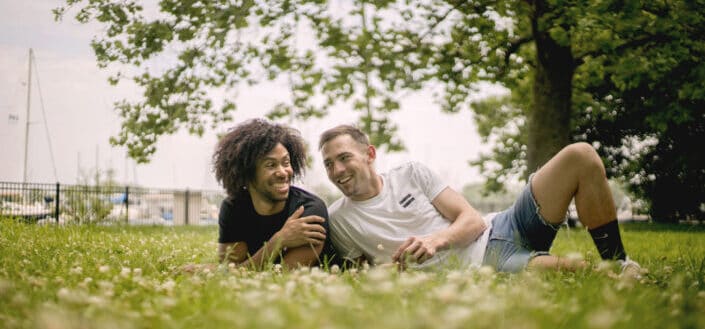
{"x":275,"y":243}
{"x":442,"y":242}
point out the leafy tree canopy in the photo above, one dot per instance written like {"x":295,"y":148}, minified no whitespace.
{"x":624,"y":75}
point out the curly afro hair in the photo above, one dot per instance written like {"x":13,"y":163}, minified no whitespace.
{"x":236,"y":155}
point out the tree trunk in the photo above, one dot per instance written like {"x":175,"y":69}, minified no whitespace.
{"x":549,"y":116}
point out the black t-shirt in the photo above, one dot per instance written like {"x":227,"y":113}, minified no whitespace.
{"x":239,"y":222}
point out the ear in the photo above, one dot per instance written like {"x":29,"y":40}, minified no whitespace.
{"x":371,"y":153}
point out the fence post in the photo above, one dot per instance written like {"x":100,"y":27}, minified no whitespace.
{"x":56,"y":202}
{"x":186,"y":208}
{"x":127,"y":204}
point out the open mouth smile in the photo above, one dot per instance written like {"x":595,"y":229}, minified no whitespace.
{"x":344,"y":180}
{"x":281,"y":187}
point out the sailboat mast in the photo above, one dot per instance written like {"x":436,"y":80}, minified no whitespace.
{"x":26,"y":131}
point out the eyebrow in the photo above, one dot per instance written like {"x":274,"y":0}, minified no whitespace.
{"x":336,"y":156}
{"x":268,"y":158}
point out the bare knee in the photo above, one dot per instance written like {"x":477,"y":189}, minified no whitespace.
{"x":582,"y":151}
{"x":585,"y":157}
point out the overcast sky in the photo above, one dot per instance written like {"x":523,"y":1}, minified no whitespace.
{"x":77,"y":101}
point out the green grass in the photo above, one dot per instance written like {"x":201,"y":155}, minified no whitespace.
{"x":128,"y":277}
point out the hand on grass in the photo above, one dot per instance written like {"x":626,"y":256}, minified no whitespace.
{"x":417,"y":249}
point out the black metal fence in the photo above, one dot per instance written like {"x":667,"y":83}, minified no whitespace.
{"x":64,"y":203}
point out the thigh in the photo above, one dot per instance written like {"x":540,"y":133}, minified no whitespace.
{"x":556,"y":182}
{"x":531,"y":229}
{"x":508,"y":250}
{"x":506,"y":256}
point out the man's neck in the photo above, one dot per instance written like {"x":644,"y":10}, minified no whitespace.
{"x":379,"y":185}
{"x":267,"y":207}
{"x":375,"y":190}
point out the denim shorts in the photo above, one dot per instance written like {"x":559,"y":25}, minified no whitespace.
{"x":518,"y":234}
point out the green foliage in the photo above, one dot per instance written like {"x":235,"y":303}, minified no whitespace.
{"x":608,"y":72}
{"x":637,"y":94}
{"x":643,"y":101}
{"x":85,"y":206}
{"x":88,"y":201}
{"x":87,"y":276}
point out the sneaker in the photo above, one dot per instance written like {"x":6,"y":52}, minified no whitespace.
{"x":630,"y":269}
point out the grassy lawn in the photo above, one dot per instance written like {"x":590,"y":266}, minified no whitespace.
{"x":127,"y":277}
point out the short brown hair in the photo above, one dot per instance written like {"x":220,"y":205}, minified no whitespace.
{"x":340,"y":130}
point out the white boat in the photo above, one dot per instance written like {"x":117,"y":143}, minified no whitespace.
{"x":28,"y":211}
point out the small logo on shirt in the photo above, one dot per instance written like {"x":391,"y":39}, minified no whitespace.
{"x":407,"y":200}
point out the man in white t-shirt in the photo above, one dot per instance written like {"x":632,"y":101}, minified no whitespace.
{"x":408,"y":215}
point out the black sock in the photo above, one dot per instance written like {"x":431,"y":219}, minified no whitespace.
{"x":608,"y":241}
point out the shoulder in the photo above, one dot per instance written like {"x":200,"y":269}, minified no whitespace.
{"x":342,"y":213}
{"x":232,"y":210}
{"x":408,"y":170}
{"x":336,"y":206}
{"x":303,"y":196}
{"x":230,"y":204}
{"x":419,"y":175}
{"x":409,"y":167}
{"x":312,"y":203}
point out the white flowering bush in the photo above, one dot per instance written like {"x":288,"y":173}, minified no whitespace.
{"x":87,"y":276}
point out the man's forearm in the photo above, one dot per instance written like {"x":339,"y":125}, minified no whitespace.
{"x":306,"y":255}
{"x":265,"y":254}
{"x":464,"y":230}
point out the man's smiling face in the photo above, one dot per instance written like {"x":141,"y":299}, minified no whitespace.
{"x":272,"y":177}
{"x":349,"y":166}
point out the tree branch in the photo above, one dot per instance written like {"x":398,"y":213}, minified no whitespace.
{"x":653,"y":38}
{"x":513,"y":48}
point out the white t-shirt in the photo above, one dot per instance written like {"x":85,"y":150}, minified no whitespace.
{"x":377,"y":227}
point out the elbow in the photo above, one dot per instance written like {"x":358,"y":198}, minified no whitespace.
{"x":483,"y":226}
{"x":480,"y":227}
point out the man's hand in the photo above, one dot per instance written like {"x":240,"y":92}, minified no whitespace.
{"x":466,"y":226}
{"x":417,"y":249}
{"x":298,"y":231}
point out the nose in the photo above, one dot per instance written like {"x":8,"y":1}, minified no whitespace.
{"x":281,"y":171}
{"x":337,"y":168}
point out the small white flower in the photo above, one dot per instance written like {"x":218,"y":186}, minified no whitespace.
{"x":63,"y":293}
{"x":96,"y":300}
{"x":335,"y":269}
{"x":168,"y":302}
{"x":104,"y":269}
{"x":168,"y":285}
{"x":603,"y":318}
{"x":380,"y":247}
{"x":76,"y":270}
{"x":486,"y":271}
